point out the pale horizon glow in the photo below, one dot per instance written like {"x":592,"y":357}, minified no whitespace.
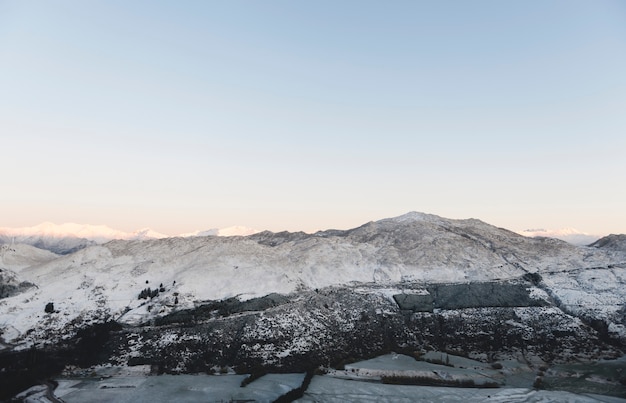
{"x":279,"y":115}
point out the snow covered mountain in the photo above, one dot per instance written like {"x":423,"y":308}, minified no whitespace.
{"x":570,"y":235}
{"x":69,"y":237}
{"x":276,"y":298}
{"x":236,"y":230}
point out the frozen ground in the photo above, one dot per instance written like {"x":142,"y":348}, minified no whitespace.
{"x":359,"y":382}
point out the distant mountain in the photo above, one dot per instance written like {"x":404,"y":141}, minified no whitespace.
{"x":570,"y":235}
{"x":236,"y":230}
{"x":69,"y":237}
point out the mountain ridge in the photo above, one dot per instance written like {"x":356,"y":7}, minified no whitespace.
{"x":70,"y":237}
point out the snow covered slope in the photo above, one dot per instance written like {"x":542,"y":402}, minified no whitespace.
{"x":69,"y":237}
{"x":18,"y":256}
{"x":104,"y":281}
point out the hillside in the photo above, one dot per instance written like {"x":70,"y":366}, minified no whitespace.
{"x":611,"y":242}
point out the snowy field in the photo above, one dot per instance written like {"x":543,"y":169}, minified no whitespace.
{"x":358,"y":382}
{"x":177,"y":388}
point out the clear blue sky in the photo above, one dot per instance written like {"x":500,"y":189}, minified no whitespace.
{"x":306,"y":115}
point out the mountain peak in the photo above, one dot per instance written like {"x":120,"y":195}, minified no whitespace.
{"x":416,"y":216}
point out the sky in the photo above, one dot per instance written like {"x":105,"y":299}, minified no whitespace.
{"x":306,"y":115}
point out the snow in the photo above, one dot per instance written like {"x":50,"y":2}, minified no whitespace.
{"x":236,"y":230}
{"x":178,"y":388}
{"x":98,"y":233}
{"x":538,"y":293}
{"x":389,"y":292}
{"x":36,"y":394}
{"x":19,"y":256}
{"x":193,"y":388}
{"x":598,"y":292}
{"x":398,"y":365}
{"x":103,"y":233}
{"x":358,"y":382}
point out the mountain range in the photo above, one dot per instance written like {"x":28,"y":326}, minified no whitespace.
{"x":289,"y":300}
{"x":70,"y":237}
